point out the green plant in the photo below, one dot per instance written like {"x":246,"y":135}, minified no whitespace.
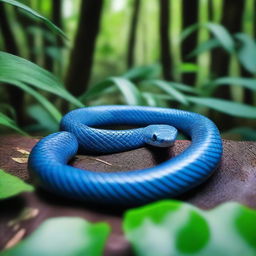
{"x":176,"y":228}
{"x":11,"y":185}
{"x":64,"y":236}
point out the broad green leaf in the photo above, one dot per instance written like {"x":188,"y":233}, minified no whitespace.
{"x":11,"y":185}
{"x":246,"y":133}
{"x":168,"y":88}
{"x":35,"y":14}
{"x":223,"y":36}
{"x":46,"y":122}
{"x":98,"y":90}
{"x":225,"y":106}
{"x":188,"y":31}
{"x":185,"y":88}
{"x":219,"y":32}
{"x":53,"y":111}
{"x":129,"y":91}
{"x":64,"y":236}
{"x":247,"y":52}
{"x":141,"y":73}
{"x":176,"y":228}
{"x":15,"y":70}
{"x":8,"y":122}
{"x":154,"y":101}
{"x":249,"y":83}
{"x":204,"y":47}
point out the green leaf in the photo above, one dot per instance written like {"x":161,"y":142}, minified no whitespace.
{"x":219,"y":32}
{"x":35,"y":14}
{"x":154,"y":101}
{"x":249,"y":83}
{"x":204,"y":47}
{"x":188,"y":31}
{"x":223,"y":36}
{"x":129,"y":91}
{"x":11,"y":185}
{"x":247,"y":52}
{"x":246,"y":133}
{"x":177,"y":228}
{"x":45,"y":121}
{"x":8,"y":122}
{"x":141,"y":73}
{"x":225,"y":106}
{"x":52,"y":110}
{"x":15,"y":70}
{"x":65,"y":236}
{"x":168,"y":88}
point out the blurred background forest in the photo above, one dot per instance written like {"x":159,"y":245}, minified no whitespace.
{"x":197,"y":55}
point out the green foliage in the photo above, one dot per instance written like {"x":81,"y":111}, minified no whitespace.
{"x":177,"y":228}
{"x":14,"y":69}
{"x":65,"y":236}
{"x":169,"y":89}
{"x":247,"y":52}
{"x":25,"y":75}
{"x":242,"y":133}
{"x":11,"y":185}
{"x":227,"y":107}
{"x":35,"y":14}
{"x":141,"y":85}
{"x":128,"y":90}
{"x":8,"y":122}
{"x":249,"y":83}
{"x":219,"y":32}
{"x":174,"y":92}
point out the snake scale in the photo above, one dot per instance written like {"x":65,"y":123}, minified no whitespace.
{"x":48,"y":161}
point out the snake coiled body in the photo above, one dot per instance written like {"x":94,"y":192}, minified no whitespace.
{"x":48,"y":159}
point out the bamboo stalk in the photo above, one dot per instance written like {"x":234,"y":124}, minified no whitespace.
{"x":237,"y":93}
{"x":248,"y":26}
{"x":217,"y":10}
{"x":204,"y":59}
{"x":176,"y":27}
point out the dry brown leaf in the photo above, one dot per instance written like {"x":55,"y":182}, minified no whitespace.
{"x":23,"y":151}
{"x":100,"y":160}
{"x":20,"y":160}
{"x":26,"y":214}
{"x":15,"y":239}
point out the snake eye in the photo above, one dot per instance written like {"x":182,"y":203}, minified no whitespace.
{"x":154,"y":137}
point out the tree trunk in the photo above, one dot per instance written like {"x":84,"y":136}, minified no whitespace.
{"x":164,"y":16}
{"x":81,"y":59}
{"x":15,"y":94}
{"x":132,"y":33}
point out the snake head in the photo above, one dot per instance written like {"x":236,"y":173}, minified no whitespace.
{"x":160,"y":135}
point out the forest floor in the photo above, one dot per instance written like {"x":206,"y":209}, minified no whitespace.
{"x":234,"y":180}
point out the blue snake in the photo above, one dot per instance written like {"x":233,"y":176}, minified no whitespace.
{"x":48,"y":161}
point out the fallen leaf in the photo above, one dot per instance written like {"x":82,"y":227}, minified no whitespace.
{"x":26,"y":214}
{"x":20,"y":160}
{"x":102,"y":161}
{"x":15,"y":239}
{"x":23,"y":151}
